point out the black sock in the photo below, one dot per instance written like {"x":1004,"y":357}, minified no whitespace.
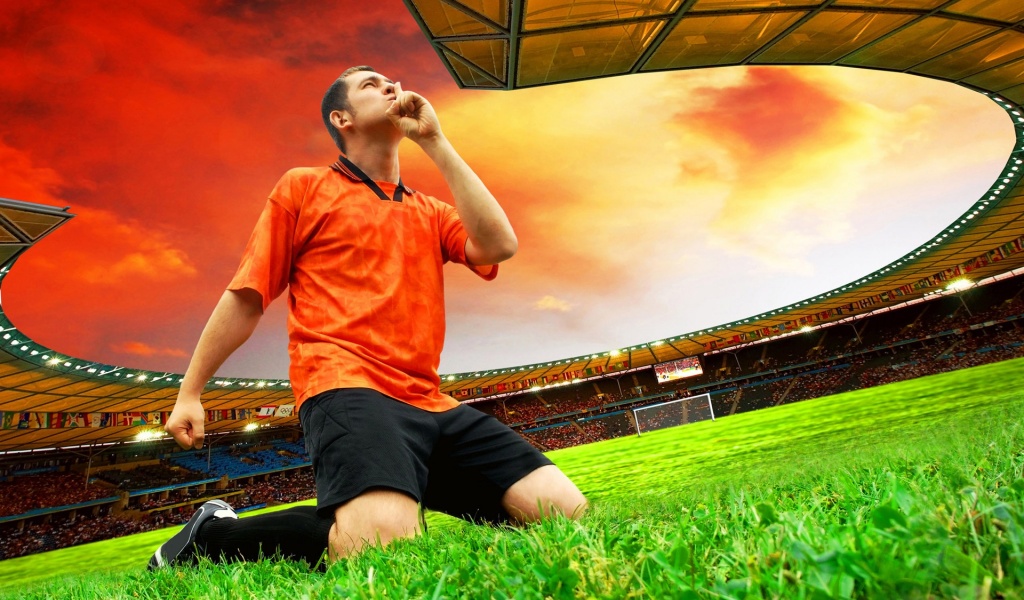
{"x":295,"y":533}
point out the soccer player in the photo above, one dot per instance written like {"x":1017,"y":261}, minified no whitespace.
{"x":361,"y":255}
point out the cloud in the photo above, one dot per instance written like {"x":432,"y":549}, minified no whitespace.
{"x":142,"y":349}
{"x":21,"y":179}
{"x":550,"y":303}
{"x":793,"y":180}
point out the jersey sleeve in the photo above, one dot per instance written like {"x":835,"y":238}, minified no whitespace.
{"x":267,"y":260}
{"x":453,"y":242}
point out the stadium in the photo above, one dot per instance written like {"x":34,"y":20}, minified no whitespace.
{"x":862,"y":442}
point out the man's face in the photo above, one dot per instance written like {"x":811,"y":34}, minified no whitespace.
{"x":369,"y":96}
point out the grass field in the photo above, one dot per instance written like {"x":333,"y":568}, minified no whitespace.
{"x":911,"y":490}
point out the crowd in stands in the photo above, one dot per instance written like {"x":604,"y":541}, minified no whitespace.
{"x":289,"y":486}
{"x":31,"y":492}
{"x":184,"y":496}
{"x":63,"y":531}
{"x":149,"y":477}
{"x":554,"y":438}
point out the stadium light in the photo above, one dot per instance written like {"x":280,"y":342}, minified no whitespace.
{"x":151,"y":434}
{"x":959,"y":285}
{"x":806,"y":328}
{"x":251,"y":427}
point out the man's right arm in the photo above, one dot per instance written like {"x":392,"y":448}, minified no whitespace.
{"x":232,"y":322}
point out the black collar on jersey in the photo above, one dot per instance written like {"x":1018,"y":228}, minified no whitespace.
{"x":349,"y":168}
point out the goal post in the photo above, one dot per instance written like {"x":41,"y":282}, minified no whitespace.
{"x":672,"y":413}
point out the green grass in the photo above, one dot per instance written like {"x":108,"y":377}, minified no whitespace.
{"x":912,"y":490}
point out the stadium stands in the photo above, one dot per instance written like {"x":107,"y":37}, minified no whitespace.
{"x":921,"y":339}
{"x":148,"y":477}
{"x":236,"y":462}
{"x":162,"y":485}
{"x":32,"y":492}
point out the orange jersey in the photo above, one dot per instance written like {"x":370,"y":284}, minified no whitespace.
{"x":364,"y":279}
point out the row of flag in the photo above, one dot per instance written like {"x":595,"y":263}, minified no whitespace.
{"x":529,"y":382}
{"x":992,"y":256}
{"x":68,"y":420}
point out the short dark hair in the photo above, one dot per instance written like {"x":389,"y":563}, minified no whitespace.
{"x":336,"y":98}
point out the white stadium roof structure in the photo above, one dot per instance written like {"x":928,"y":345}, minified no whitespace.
{"x":502,"y":45}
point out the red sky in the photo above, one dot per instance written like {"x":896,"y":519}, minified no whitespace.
{"x":646,"y":206}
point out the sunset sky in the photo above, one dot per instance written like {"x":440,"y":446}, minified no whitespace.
{"x":646,"y":206}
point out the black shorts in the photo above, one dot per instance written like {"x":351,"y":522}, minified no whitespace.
{"x":458,"y":462}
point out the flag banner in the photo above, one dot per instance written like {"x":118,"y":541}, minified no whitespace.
{"x":29,"y":420}
{"x":57,"y":420}
{"x":266,"y":411}
{"x":9,"y":420}
{"x":285,"y":410}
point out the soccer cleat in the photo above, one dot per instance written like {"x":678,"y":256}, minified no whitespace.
{"x":182,"y":547}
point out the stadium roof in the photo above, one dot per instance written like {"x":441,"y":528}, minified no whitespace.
{"x":978,"y":44}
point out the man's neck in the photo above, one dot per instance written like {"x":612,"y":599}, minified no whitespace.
{"x":378,"y":160}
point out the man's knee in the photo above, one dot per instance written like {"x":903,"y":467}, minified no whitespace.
{"x":544,"y":492}
{"x":375,"y":517}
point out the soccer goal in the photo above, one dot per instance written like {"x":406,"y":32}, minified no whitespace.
{"x":672,"y":413}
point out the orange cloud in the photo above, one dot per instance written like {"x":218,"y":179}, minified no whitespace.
{"x":553,"y":304}
{"x":142,"y":349}
{"x":20,"y":179}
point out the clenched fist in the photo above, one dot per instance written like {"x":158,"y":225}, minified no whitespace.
{"x":186,"y":423}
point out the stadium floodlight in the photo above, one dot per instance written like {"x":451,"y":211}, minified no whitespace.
{"x":251,"y":427}
{"x":151,"y":434}
{"x":672,"y":413}
{"x":806,"y":328}
{"x":959,"y":285}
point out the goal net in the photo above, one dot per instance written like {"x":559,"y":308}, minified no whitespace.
{"x":672,"y":413}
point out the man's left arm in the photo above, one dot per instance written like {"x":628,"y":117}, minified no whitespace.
{"x":491,"y":239}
